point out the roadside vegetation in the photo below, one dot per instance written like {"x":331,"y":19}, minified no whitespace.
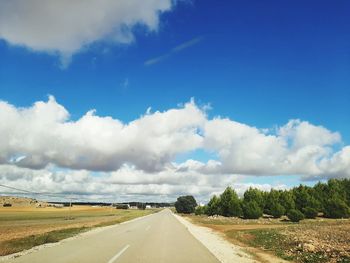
{"x":331,"y":200}
{"x":303,"y":224}
{"x":25,"y":227}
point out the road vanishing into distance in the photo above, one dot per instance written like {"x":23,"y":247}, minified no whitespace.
{"x":159,"y":237}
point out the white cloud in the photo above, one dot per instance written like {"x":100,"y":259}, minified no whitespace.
{"x":67,"y":26}
{"x":296,"y":148}
{"x":174,"y":50}
{"x":44,"y":134}
{"x":122,"y":185}
{"x":137,"y":158}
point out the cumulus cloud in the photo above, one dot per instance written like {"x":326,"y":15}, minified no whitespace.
{"x":125,"y":184}
{"x":138,"y":158}
{"x":298,"y":147}
{"x":44,"y":134}
{"x":67,"y":26}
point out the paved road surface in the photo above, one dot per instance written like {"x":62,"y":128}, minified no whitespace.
{"x":156,"y":238}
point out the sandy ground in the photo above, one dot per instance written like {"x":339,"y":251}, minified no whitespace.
{"x":222,"y":249}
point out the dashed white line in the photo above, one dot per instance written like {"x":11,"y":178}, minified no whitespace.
{"x":119,"y":254}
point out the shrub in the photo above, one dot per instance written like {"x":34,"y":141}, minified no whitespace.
{"x":310,"y":212}
{"x":141,"y":206}
{"x":185,"y":204}
{"x":200,"y":210}
{"x":122,"y":206}
{"x":295,"y":215}
{"x":277,"y":210}
{"x":336,"y":208}
{"x":251,"y":210}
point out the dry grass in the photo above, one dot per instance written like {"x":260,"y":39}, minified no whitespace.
{"x":319,"y":240}
{"x":25,"y":227}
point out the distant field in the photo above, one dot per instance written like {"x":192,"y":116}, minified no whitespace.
{"x":24,"y":227}
{"x":310,"y":241}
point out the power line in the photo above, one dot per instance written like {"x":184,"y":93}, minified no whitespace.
{"x":38,"y":193}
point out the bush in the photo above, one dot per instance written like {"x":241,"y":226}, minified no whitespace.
{"x":251,"y":210}
{"x":277,"y":210}
{"x":336,"y":208}
{"x":122,"y":206}
{"x":141,"y":206}
{"x":295,"y":215}
{"x":310,"y":212}
{"x":185,"y":204}
{"x":200,"y":210}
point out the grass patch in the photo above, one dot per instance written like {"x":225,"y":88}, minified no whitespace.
{"x":280,"y":245}
{"x":268,"y":239}
{"x":289,"y":241}
{"x":20,"y":244}
{"x":26,"y":225}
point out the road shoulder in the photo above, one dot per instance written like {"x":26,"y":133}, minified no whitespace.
{"x":223,"y":250}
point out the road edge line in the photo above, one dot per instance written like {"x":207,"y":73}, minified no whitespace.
{"x":118,"y":254}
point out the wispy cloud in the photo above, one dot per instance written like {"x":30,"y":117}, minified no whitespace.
{"x":187,"y":44}
{"x":174,"y":50}
{"x":125,"y":84}
{"x":156,"y":60}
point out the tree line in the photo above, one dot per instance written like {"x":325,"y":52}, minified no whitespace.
{"x":330,"y":199}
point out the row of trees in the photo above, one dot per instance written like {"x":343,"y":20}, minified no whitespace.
{"x":331,"y":198}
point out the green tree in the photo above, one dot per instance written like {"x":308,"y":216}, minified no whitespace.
{"x":310,"y":212}
{"x":141,"y":206}
{"x":336,"y":208}
{"x":295,"y":215}
{"x":251,"y":210}
{"x":200,"y":210}
{"x":213,"y":207}
{"x":230,"y":204}
{"x":272,"y":199}
{"x":185,"y":204}
{"x":305,"y":197}
{"x":286,"y":199}
{"x":277,"y":210}
{"x":253,"y":194}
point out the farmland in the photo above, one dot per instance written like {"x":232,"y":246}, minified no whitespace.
{"x":23,"y":227}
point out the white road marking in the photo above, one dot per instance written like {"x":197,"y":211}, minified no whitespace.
{"x":148,"y":228}
{"x":119,"y":254}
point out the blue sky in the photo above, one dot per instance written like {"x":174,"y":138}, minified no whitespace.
{"x":260,"y":63}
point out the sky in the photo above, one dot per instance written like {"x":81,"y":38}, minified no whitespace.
{"x":128,"y":100}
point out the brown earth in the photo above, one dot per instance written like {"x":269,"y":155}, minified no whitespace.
{"x":21,"y":202}
{"x":326,"y":238}
{"x":18,"y":222}
{"x":330,"y":238}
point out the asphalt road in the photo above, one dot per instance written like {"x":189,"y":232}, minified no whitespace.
{"x":156,"y":238}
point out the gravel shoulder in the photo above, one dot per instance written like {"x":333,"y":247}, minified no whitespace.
{"x":223,"y":250}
